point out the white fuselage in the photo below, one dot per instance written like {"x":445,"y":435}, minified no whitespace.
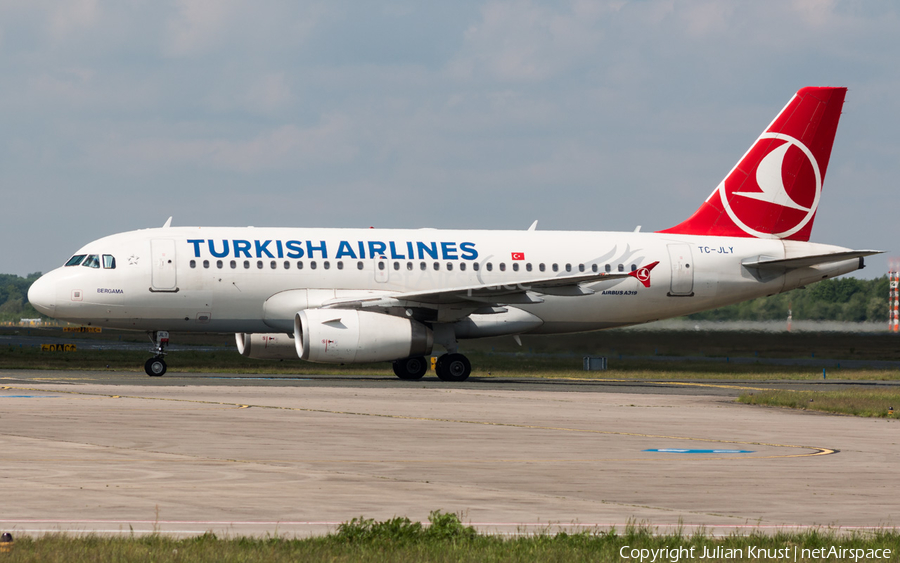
{"x":232,"y":280}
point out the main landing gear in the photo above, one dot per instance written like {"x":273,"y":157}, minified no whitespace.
{"x":156,"y":366}
{"x":449,"y":367}
{"x":453,"y":367}
{"x":411,"y":369}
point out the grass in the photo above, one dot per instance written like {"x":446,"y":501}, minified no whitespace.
{"x":610,"y":343}
{"x":631,"y":357}
{"x":485,"y":364}
{"x":446,"y":538}
{"x":867,"y":403}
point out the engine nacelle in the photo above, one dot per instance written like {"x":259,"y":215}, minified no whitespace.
{"x":335,"y":336}
{"x":264,"y":346}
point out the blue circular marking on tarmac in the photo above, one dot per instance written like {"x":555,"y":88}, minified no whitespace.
{"x":681,"y":451}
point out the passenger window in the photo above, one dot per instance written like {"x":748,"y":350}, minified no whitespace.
{"x":233,"y":264}
{"x":219,"y":264}
{"x":312,"y":264}
{"x":476,"y":266}
{"x":409,"y":266}
{"x":340,"y":265}
{"x":206,"y":264}
{"x":422,"y":266}
{"x":502,"y":266}
{"x":299,"y":264}
{"x":633,"y":267}
{"x":359,"y":265}
{"x":621,"y":268}
{"x":489,"y":266}
{"x":326,"y":264}
{"x":594,"y":268}
{"x":516,"y":267}
{"x":542,"y":268}
{"x":581,"y":267}
{"x":287,"y":265}
{"x":259,"y":264}
{"x":437,"y":266}
{"x":109,"y":262}
{"x":193,"y":263}
{"x":555,"y":267}
{"x":449,"y":266}
{"x":607,"y":268}
{"x":381,"y":265}
{"x":396,"y":265}
{"x":246,"y":264}
{"x":92,"y":261}
{"x":568,"y":267}
{"x":75,"y":260}
{"x":528,"y":266}
{"x":273,"y":264}
{"x":462,"y":266}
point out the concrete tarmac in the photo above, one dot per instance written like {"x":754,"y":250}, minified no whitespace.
{"x":113,"y":452}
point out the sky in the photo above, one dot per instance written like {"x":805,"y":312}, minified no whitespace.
{"x":584,"y":115}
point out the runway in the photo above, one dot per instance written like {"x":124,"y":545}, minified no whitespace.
{"x":114,"y":452}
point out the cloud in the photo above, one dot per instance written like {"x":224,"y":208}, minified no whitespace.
{"x":72,"y":17}
{"x":494,"y":112}
{"x":287,"y":147}
{"x":199,"y":26}
{"x":525,"y":41}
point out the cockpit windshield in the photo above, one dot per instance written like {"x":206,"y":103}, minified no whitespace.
{"x":93,"y":261}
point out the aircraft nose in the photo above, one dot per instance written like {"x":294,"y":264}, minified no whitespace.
{"x":42,"y":295}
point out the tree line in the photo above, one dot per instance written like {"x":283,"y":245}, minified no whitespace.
{"x":842,"y":299}
{"x":14,"y":303}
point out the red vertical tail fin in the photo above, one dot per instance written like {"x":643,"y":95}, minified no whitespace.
{"x":774,"y":190}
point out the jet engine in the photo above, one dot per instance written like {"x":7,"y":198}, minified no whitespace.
{"x":263,"y":346}
{"x":333,"y":336}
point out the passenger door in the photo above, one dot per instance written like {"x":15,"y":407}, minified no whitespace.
{"x":682,"y":270}
{"x":162,"y":262}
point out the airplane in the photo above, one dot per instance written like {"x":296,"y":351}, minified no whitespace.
{"x":338,"y":295}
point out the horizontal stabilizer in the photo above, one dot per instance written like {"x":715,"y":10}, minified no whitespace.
{"x":762,"y":263}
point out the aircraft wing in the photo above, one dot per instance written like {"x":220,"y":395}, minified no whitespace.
{"x":523,"y":291}
{"x":763,"y":263}
{"x":563,"y":285}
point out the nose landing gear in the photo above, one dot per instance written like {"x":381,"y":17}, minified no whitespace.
{"x":156,"y":366}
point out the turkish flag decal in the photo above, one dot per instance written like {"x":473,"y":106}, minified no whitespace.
{"x":518,"y":255}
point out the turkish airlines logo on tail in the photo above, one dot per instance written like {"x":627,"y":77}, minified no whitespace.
{"x":774,"y":191}
{"x":643,"y":274}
